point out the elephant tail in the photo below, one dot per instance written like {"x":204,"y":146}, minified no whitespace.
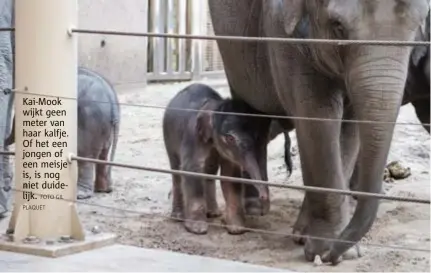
{"x":116,"y":117}
{"x":116,"y":124}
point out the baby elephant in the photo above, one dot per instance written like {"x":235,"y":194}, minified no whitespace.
{"x":98,"y":126}
{"x":202,"y":142}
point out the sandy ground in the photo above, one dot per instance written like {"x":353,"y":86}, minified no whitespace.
{"x":146,"y":193}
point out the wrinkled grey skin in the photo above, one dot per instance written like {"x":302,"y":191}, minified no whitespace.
{"x":6,"y":81}
{"x":416,"y":92}
{"x":325,"y":81}
{"x":98,"y":128}
{"x":203,"y":142}
{"x":417,"y":88}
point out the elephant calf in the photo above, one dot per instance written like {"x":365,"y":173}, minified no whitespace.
{"x":98,"y":127}
{"x":202,"y":142}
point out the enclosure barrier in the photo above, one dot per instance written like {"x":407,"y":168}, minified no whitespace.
{"x":36,"y":71}
{"x":252,"y":182}
{"x":22,"y":89}
{"x":181,"y":60}
{"x":48,"y":66}
{"x":249,"y":181}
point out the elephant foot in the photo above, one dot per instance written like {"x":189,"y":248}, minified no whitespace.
{"x":177,"y":214}
{"x":352,"y":253}
{"x":102,"y":185}
{"x":315,"y":247}
{"x":214,"y":213}
{"x":84,"y":194}
{"x":299,"y":235}
{"x":234,"y":224}
{"x":256,"y":207}
{"x":212,"y":209}
{"x":320,"y":239}
{"x":196,"y":217}
{"x":107,"y":190}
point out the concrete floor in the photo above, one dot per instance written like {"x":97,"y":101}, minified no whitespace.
{"x":124,"y":258}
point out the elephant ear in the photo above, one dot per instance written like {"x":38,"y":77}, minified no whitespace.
{"x":293,"y":11}
{"x":417,"y":54}
{"x":204,"y":126}
{"x":420,"y":52}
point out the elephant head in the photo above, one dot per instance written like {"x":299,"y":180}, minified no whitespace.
{"x":373,"y":77}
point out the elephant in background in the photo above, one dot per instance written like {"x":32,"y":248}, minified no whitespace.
{"x":98,"y":130}
{"x":6,"y":82}
{"x":417,"y":89}
{"x":361,"y":82}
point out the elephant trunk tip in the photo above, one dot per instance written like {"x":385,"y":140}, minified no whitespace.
{"x":263,"y":193}
{"x":360,"y":224}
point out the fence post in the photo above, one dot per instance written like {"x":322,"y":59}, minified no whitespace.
{"x":198,"y":16}
{"x":46,"y":127}
{"x":46,"y":133}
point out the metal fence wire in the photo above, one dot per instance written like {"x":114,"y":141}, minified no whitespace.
{"x":233,"y":179}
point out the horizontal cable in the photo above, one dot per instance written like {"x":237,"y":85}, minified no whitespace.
{"x":245,"y":228}
{"x":253,"y":181}
{"x":252,"y":39}
{"x":246,"y":180}
{"x":234,"y":113}
{"x":247,"y":39}
{"x":6,"y":153}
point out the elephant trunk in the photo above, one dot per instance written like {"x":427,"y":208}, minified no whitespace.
{"x":376,"y":84}
{"x":253,"y":170}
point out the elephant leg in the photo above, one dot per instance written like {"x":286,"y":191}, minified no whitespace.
{"x":252,"y":203}
{"x":195,"y":205}
{"x":234,"y":213}
{"x":301,"y":224}
{"x":103,"y":183}
{"x":319,"y":147}
{"x":349,"y":141}
{"x":349,"y":146}
{"x":422,"y":108}
{"x":213,"y":210}
{"x":177,"y":212}
{"x":85,"y":180}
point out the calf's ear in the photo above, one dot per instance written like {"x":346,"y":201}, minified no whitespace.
{"x":204,"y":126}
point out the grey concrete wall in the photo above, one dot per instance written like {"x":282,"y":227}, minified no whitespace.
{"x":122,"y":59}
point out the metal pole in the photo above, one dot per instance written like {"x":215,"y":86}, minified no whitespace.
{"x":46,"y":128}
{"x":198,"y":12}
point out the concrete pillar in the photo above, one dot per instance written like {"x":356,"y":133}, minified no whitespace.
{"x":46,"y":125}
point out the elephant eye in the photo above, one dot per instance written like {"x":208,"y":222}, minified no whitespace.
{"x":230,"y":139}
{"x":338,"y":28}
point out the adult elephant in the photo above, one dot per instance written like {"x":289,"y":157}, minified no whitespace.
{"x":6,"y":71}
{"x":325,"y":81}
{"x":417,"y":89}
